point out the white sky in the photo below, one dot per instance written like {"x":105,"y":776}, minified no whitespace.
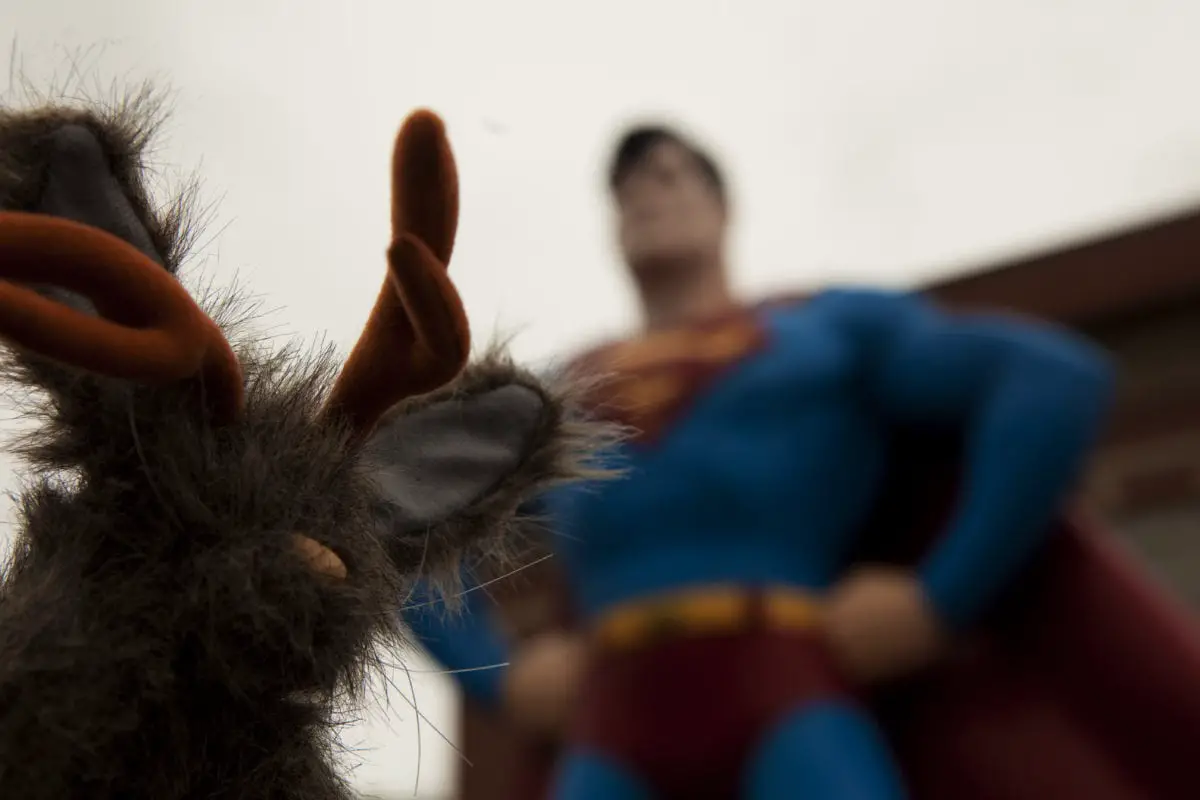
{"x":867,"y":140}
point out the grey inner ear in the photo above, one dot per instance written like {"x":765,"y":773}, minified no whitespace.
{"x":434,"y":462}
{"x":81,"y":186}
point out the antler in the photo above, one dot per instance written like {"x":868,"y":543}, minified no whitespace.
{"x":148,"y":329}
{"x":417,"y":338}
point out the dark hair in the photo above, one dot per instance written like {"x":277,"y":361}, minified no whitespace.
{"x":636,"y":143}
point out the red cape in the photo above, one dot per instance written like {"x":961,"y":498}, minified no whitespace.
{"x":1084,"y":683}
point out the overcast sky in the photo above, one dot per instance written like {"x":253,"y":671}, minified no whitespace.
{"x":867,"y":140}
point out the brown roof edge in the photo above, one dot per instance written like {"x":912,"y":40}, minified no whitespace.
{"x":1085,"y":283}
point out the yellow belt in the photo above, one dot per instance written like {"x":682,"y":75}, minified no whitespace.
{"x":706,"y":611}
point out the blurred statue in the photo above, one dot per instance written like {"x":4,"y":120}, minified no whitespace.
{"x":842,"y":561}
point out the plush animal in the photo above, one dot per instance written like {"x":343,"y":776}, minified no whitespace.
{"x":214,"y":535}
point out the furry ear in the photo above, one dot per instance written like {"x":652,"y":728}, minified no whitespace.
{"x":440,"y":460}
{"x":452,"y":468}
{"x":80,"y":185}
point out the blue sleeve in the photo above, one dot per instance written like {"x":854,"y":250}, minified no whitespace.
{"x":466,"y":641}
{"x":1030,"y":400}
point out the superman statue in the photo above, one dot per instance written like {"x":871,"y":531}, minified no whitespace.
{"x":838,"y":566}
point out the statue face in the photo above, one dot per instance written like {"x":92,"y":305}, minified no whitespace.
{"x":668,"y":212}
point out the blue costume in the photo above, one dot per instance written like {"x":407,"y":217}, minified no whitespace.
{"x":467,"y":641}
{"x":766,"y":439}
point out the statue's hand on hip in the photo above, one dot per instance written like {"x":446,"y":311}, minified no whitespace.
{"x":543,"y":681}
{"x":880,"y":625}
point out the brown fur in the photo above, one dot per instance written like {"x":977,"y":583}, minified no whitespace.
{"x":159,"y":636}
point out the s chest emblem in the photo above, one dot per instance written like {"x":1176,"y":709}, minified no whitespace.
{"x":650,"y":382}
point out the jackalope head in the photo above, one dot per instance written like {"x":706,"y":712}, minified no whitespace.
{"x":216,"y":536}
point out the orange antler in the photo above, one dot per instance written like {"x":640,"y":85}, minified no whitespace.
{"x":148,"y":329}
{"x":417,"y":338}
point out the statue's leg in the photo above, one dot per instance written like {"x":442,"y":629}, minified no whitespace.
{"x":589,"y":775}
{"x":827,"y":750}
